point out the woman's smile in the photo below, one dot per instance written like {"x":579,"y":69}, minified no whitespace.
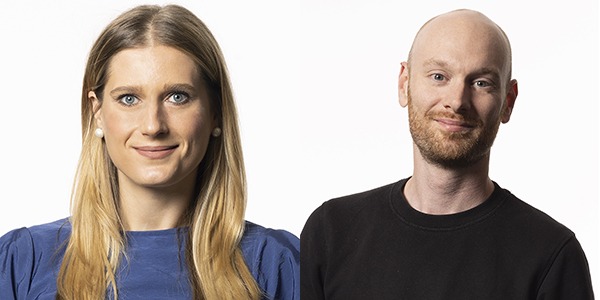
{"x":156,"y":152}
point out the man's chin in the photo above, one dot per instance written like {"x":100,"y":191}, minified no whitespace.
{"x":455,"y":164}
{"x":452,"y":160}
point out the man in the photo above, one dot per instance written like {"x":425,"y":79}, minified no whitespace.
{"x":449,"y":231}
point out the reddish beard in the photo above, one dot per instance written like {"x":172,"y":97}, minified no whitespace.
{"x":450,"y":149}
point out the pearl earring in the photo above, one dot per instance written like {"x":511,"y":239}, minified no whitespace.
{"x":99,"y":133}
{"x":216,"y":132}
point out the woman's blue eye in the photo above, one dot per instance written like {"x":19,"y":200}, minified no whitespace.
{"x":178,"y":98}
{"x":128,"y":100}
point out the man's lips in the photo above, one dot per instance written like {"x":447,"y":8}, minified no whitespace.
{"x":453,"y":124}
{"x":155,"y":152}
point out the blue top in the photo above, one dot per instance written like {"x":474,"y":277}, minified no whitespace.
{"x":155,"y":267}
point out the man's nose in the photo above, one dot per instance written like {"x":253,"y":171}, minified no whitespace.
{"x":459,"y":97}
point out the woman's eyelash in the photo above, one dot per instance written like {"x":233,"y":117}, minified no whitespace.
{"x":181,"y":97}
{"x":125,"y":98}
{"x":181,"y":94}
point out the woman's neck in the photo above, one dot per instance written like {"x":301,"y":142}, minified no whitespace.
{"x":144,"y":208}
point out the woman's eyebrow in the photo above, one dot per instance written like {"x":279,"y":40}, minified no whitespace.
{"x":179,"y":86}
{"x":118,"y":91}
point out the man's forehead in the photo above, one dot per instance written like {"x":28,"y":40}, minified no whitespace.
{"x":460,"y":25}
{"x":462,"y":37}
{"x":461,"y":17}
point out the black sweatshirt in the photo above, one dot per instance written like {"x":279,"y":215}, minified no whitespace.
{"x":374,"y":245}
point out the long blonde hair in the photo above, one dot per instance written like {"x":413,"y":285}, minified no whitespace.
{"x":215,"y":219}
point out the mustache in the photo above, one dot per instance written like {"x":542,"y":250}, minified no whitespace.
{"x":467,"y":120}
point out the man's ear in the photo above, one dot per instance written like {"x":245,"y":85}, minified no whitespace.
{"x":96,"y":108}
{"x":403,"y":84}
{"x":511,"y":97}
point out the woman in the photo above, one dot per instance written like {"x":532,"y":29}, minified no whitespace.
{"x":159,"y":197}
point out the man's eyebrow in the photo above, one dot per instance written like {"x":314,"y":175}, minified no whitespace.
{"x":495,"y":73}
{"x":436,"y":62}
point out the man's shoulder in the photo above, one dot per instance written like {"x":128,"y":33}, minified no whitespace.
{"x":370,"y":199}
{"x":350,"y":209}
{"x":532,"y":221}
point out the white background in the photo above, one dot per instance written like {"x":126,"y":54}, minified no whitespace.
{"x":315,"y":83}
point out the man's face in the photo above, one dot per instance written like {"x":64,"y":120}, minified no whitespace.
{"x":456,"y":93}
{"x":451,"y":139}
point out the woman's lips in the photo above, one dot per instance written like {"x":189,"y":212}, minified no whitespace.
{"x":155,"y":152}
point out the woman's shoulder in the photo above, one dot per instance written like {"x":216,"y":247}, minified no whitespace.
{"x":255,"y":234}
{"x":260,"y":243}
{"x":273,"y":257}
{"x":27,"y":251}
{"x":28,"y":245}
{"x":38,"y":235}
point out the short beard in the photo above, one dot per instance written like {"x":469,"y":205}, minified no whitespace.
{"x":453,"y":150}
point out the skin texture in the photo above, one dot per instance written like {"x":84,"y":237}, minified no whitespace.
{"x":457,"y":88}
{"x":157,"y":122}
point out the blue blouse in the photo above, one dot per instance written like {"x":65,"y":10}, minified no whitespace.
{"x":155,"y":267}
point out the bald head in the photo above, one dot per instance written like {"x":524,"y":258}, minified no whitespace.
{"x":465,"y":29}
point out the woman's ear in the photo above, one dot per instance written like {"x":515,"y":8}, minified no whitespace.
{"x":403,"y":84}
{"x":96,"y":108}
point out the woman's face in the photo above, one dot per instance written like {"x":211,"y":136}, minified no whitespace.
{"x":156,"y":117}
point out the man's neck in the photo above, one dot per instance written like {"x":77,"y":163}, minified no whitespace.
{"x":441,"y":191}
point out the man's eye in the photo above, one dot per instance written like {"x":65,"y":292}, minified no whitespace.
{"x":128,"y":100}
{"x":482,"y":83}
{"x":438,"y":77}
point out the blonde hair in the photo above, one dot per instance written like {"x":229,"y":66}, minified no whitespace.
{"x":216,"y":218}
